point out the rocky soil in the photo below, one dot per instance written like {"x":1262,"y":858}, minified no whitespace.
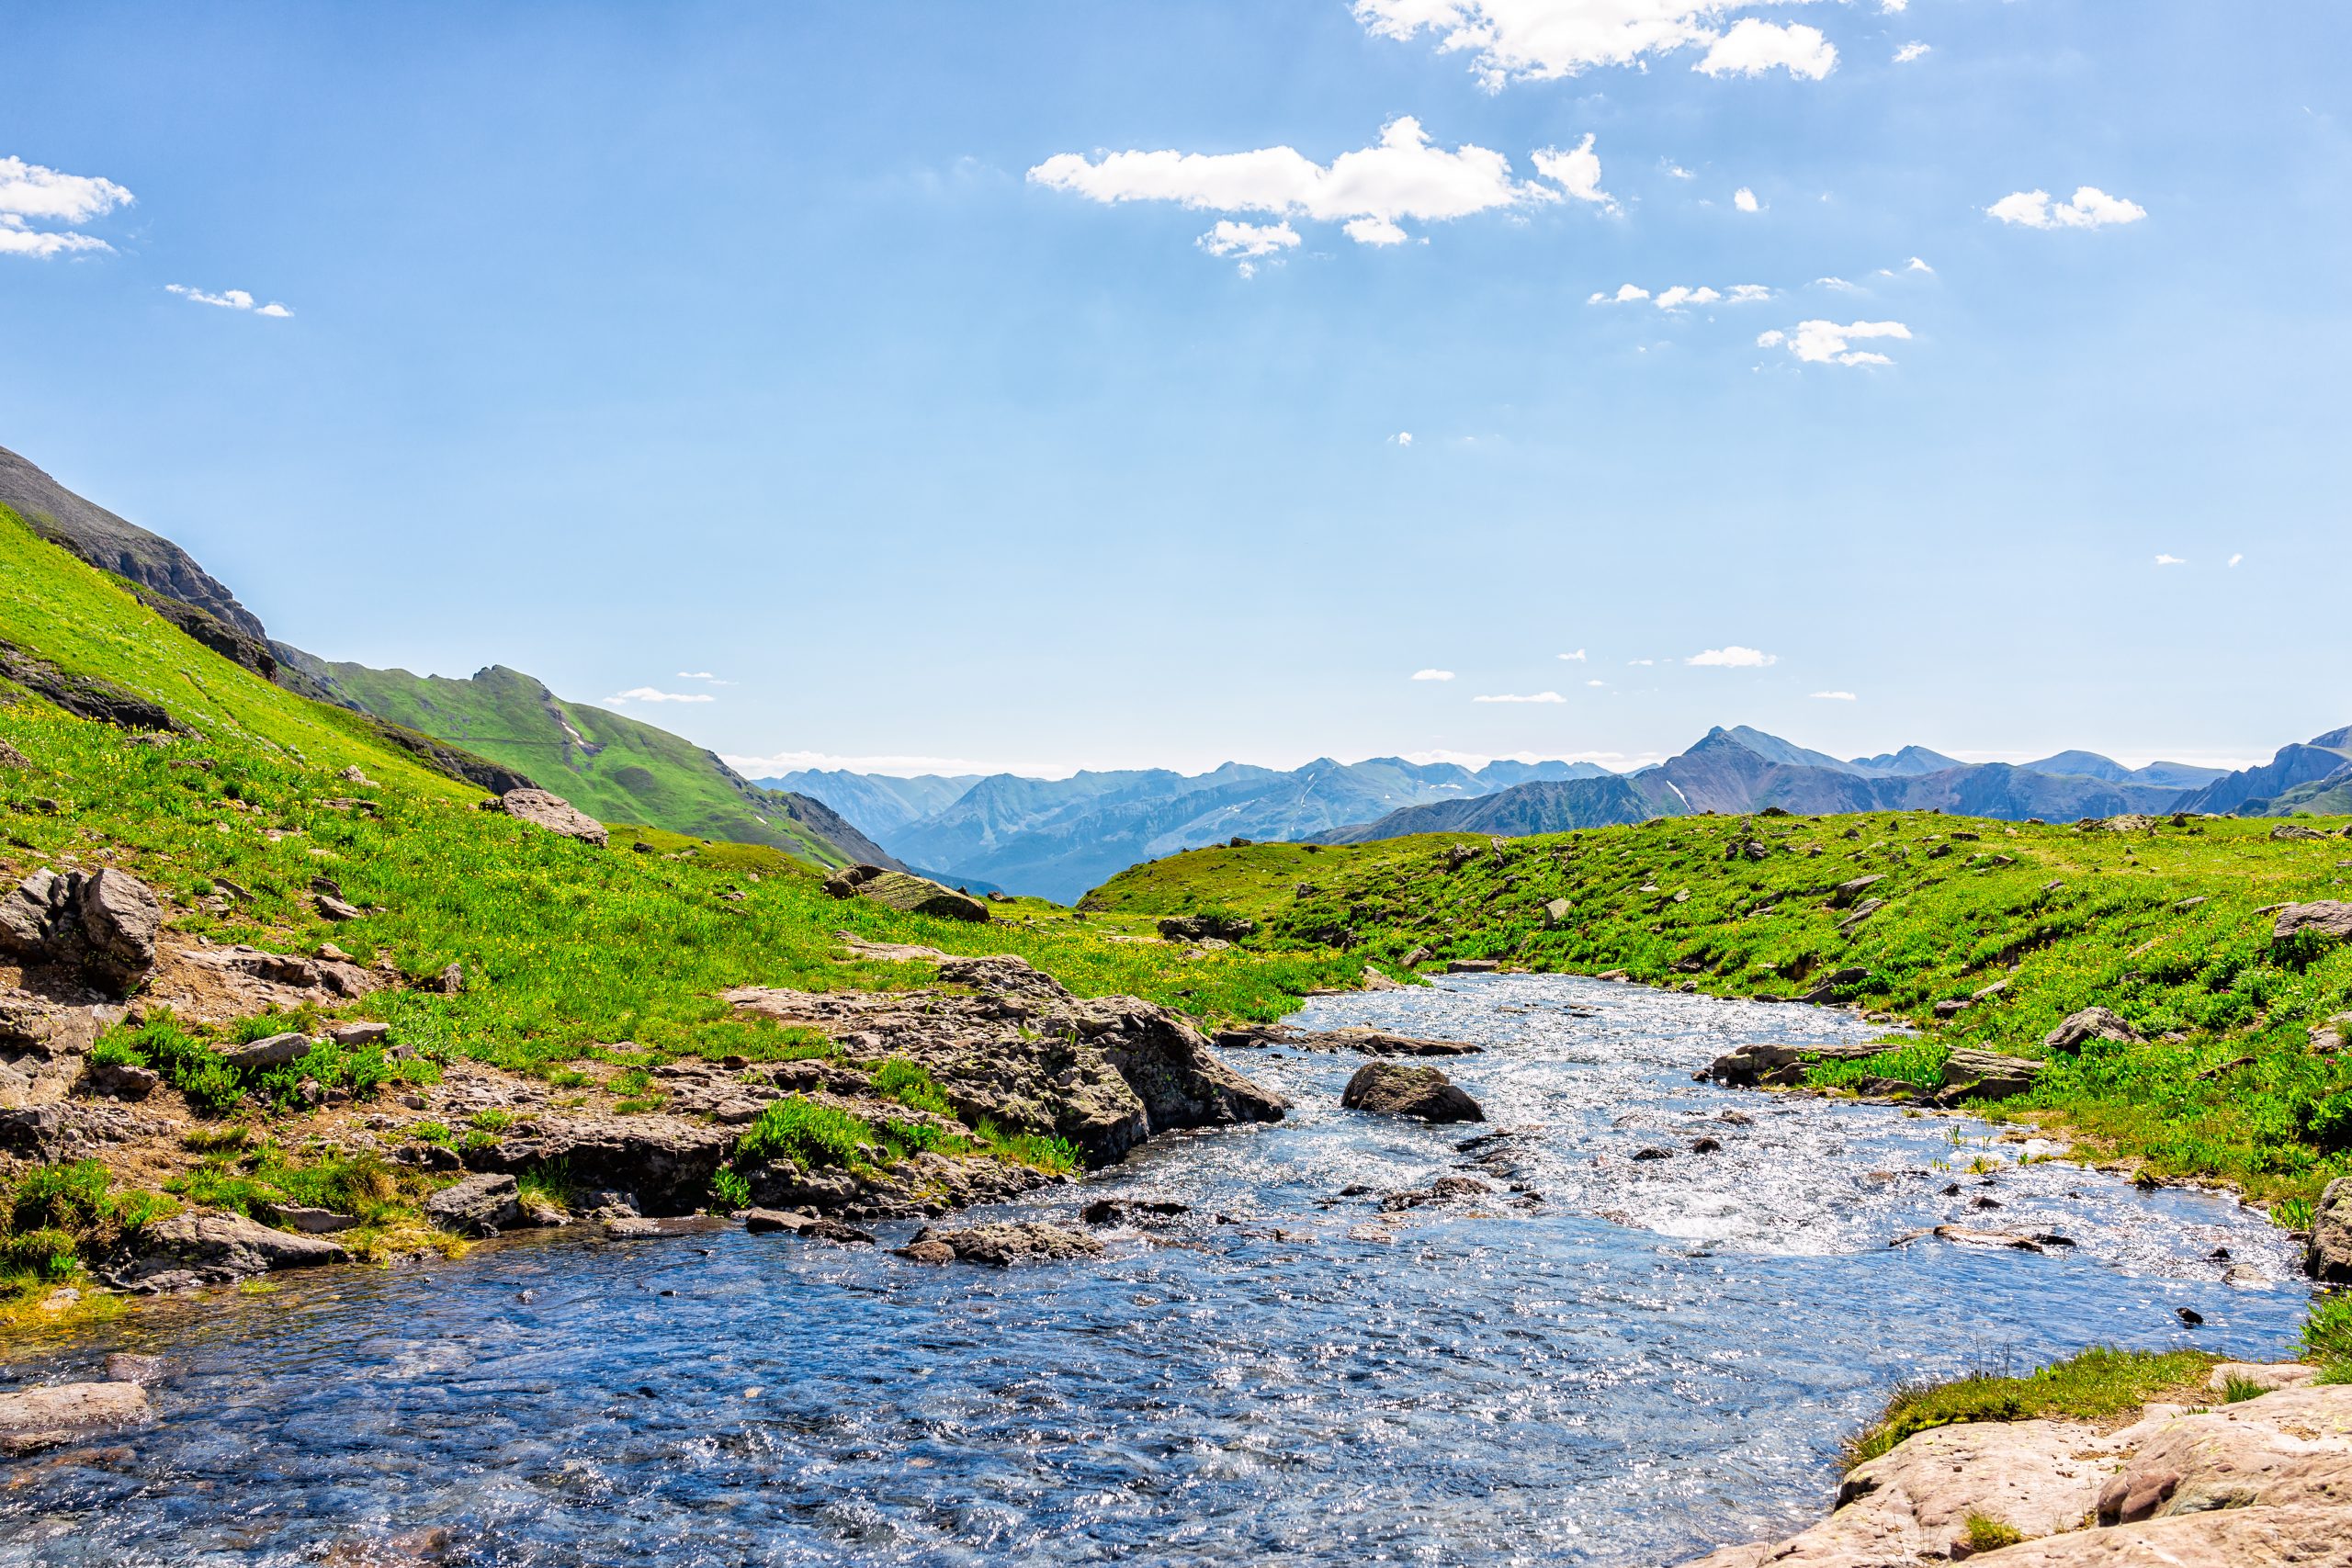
{"x":2261,"y":1483}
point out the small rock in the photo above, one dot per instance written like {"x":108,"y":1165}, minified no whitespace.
{"x":311,"y":1222}
{"x":479,"y":1206}
{"x":333,"y":908}
{"x":274,"y":1050}
{"x":2327,"y":919}
{"x":2091,"y":1023}
{"x":123,"y":1365}
{"x":359,"y":1032}
{"x":1001,"y":1245}
{"x":2189,"y":1316}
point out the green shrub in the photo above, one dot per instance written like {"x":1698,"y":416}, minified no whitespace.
{"x":797,"y":1129}
{"x":1984,"y":1533}
{"x":910,"y":1085}
{"x":730,"y":1190}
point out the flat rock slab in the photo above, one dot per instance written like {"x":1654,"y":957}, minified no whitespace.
{"x":187,"y":1250}
{"x":43,"y":1418}
{"x":551,"y":812}
{"x":816,"y":1227}
{"x":1373,"y":1042}
{"x":1001,"y":1245}
{"x":676,"y":1224}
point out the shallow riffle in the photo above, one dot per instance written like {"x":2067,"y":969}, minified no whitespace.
{"x":1660,"y":1357}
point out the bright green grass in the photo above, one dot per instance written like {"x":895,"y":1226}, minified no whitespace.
{"x":2079,"y":917}
{"x":2093,"y":1385}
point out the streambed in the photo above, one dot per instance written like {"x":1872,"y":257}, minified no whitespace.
{"x":1659,"y":1357}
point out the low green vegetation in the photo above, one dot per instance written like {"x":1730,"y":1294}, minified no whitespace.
{"x":1983,"y":1532}
{"x":2327,"y":1337}
{"x":2169,"y":924}
{"x":2096,"y":1385}
{"x":51,"y":1216}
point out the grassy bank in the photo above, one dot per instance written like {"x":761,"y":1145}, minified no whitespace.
{"x":2019,"y":924}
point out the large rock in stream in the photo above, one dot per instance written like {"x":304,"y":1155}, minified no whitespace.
{"x":187,"y":1250}
{"x":1391,"y":1089}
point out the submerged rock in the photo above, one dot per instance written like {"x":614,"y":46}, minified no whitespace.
{"x":1387,"y":1088}
{"x":43,"y":1418}
{"x":1001,"y":1245}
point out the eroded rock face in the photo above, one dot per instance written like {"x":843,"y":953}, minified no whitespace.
{"x":2329,"y":919}
{"x":1104,"y":1073}
{"x":666,"y":1161}
{"x":100,"y":926}
{"x":1001,"y":1244}
{"x":212,"y":984}
{"x":480,"y":1205}
{"x":215,"y":1249}
{"x":1388,"y":1088}
{"x":552,"y":812}
{"x":2328,"y":1255}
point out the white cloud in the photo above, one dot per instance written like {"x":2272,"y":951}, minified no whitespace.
{"x":1916,"y":264}
{"x":1745,"y":199}
{"x":1826,"y":342}
{"x":228,"y":300}
{"x":31,"y":194}
{"x":1538,"y":41}
{"x":1534,"y":697}
{"x":1892,"y":6}
{"x":1405,"y":177}
{"x":1576,"y":171}
{"x":1753,"y":47}
{"x":1835,"y":697}
{"x":2170,"y":560}
{"x":1596,"y":682}
{"x":1638,"y":661}
{"x":703,"y":675}
{"x":1733,"y":658}
{"x":2091,"y":209}
{"x":1402,"y":438}
{"x":2235,"y":560}
{"x":1249,"y":241}
{"x":29,"y":190}
{"x":649,"y":695}
{"x":1676,"y":171}
{"x":1839,"y":283}
{"x":1576,"y":658}
{"x":1683,"y":294}
{"x":1432,"y":674}
{"x":1911,"y":51}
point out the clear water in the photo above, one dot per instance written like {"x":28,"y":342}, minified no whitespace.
{"x":1661,"y":1358}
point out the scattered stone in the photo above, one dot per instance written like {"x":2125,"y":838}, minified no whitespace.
{"x":1706,"y":1146}
{"x":2294,"y":831}
{"x":1387,"y":1088}
{"x":272,"y":1050}
{"x":1986,"y":1074}
{"x":2189,"y":1316}
{"x":1845,"y":893}
{"x":479,"y":1206}
{"x":1472,"y":965}
{"x":333,"y":908}
{"x":38,"y":1418}
{"x":1001,"y":1245}
{"x":2020,"y":1241}
{"x":1557,"y":913}
{"x":551,"y":812}
{"x":1653,"y":1152}
{"x":1444,"y":1189}
{"x":1125,"y":1211}
{"x":2092,"y":1023}
{"x":361,"y":1031}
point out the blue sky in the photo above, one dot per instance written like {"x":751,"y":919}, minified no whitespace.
{"x":835,"y":352}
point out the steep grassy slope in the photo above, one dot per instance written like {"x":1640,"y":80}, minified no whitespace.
{"x":2169,"y":926}
{"x":615,"y":768}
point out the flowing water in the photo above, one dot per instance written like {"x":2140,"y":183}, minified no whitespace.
{"x":1660,"y":1357}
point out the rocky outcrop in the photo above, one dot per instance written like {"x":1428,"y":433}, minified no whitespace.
{"x":1001,"y":1244}
{"x":212,"y":984}
{"x":86,"y":696}
{"x":2261,"y":1483}
{"x":1387,"y":1089}
{"x":479,"y":1206}
{"x":1014,"y":1047}
{"x":187,"y":1250}
{"x":1986,"y":1074}
{"x":551,"y":812}
{"x":666,"y":1161}
{"x":36,"y":1419}
{"x":2329,"y":919}
{"x":2328,"y":1255}
{"x":906,"y":893}
{"x":2080,"y":1029}
{"x":1197,"y":928}
{"x":1767,"y":1065}
{"x":98,"y":926}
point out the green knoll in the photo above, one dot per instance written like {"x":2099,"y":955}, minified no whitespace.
{"x":2241,"y":1075}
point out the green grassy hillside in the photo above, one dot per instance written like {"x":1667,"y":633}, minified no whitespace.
{"x":615,"y":768}
{"x":2169,"y":926}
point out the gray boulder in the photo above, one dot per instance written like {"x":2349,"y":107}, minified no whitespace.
{"x":2092,"y":1023}
{"x":1845,"y":893}
{"x":100,"y":924}
{"x":2294,"y":831}
{"x":2328,"y":1256}
{"x":1557,"y":913}
{"x":1986,"y":1074}
{"x":2330,"y":919}
{"x":274,"y":1050}
{"x":480,"y":1205}
{"x":906,"y":893}
{"x":1194,"y":928}
{"x":43,"y":1418}
{"x":1391,"y":1089}
{"x":551,"y":812}
{"x":214,"y":1249}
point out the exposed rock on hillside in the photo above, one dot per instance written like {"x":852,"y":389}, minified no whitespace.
{"x":551,"y":812}
{"x":2092,"y":1023}
{"x":905,"y":892}
{"x":2328,"y":918}
{"x":1104,"y":1072}
{"x":86,"y":696}
{"x":100,"y":926}
{"x":1388,"y":1088}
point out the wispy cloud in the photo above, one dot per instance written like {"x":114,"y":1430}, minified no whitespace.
{"x":1402,"y":438}
{"x":1370,"y":192}
{"x":1513,"y":697}
{"x":2171,"y":561}
{"x":1911,"y":51}
{"x":1733,"y":658}
{"x":228,"y":299}
{"x":1833,"y":696}
{"x":1541,"y":41}
{"x":2091,"y":209}
{"x":1432,"y":674}
{"x":651,"y":695}
{"x":1576,"y":658}
{"x":31,"y":194}
{"x":2235,"y":560}
{"x":1682,"y":295}
{"x":1826,"y":342}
